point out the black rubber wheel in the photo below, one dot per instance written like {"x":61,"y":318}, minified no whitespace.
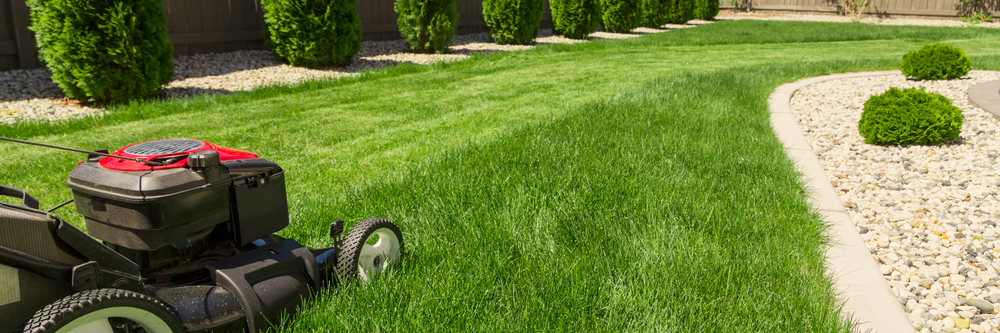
{"x":105,"y":310}
{"x":372,"y":245}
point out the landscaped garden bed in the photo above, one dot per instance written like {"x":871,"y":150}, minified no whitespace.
{"x":928,"y":213}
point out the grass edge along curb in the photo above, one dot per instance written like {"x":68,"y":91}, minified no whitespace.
{"x":867,"y":298}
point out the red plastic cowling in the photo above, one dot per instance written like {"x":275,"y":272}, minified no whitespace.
{"x":169,"y":150}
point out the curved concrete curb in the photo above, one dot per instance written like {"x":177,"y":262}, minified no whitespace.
{"x":868,"y":300}
{"x":986,"y":96}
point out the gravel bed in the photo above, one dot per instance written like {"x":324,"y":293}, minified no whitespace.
{"x":927,"y":213}
{"x":31,"y":94}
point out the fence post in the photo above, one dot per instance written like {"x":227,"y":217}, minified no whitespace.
{"x":27,"y":51}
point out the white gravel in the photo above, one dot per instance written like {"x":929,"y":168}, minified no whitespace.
{"x":928,"y":213}
{"x":31,"y":94}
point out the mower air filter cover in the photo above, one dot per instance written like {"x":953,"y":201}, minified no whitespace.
{"x":174,"y":152}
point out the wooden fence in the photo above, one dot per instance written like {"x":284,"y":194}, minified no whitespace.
{"x":204,"y":26}
{"x":880,"y":8}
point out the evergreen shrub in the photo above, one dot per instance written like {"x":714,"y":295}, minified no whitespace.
{"x":909,"y":117}
{"x":936,"y":62}
{"x":655,"y":13}
{"x":427,"y":25}
{"x":622,"y":16}
{"x":104,"y":50}
{"x":575,"y":18}
{"x":706,"y":9}
{"x":681,"y":11}
{"x":513,"y":21}
{"x":313,"y":33}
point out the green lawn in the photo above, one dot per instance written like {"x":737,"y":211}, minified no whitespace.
{"x":627,"y":185}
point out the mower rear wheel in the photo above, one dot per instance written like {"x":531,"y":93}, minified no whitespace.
{"x":105,"y":311}
{"x":372,"y":246}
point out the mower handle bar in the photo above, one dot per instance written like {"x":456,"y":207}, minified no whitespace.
{"x":96,"y":153}
{"x":26,"y":199}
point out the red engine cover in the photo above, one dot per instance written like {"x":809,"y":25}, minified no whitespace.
{"x":169,"y":150}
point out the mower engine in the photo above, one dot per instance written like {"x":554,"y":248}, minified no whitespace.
{"x":203,"y":203}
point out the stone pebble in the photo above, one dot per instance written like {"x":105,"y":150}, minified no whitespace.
{"x":32,"y":95}
{"x":927,"y":213}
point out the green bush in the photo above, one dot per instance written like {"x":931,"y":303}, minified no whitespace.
{"x":513,"y":21}
{"x":427,"y":25}
{"x":681,"y":11}
{"x":706,"y":9}
{"x":622,"y":16}
{"x":575,"y":18}
{"x":909,"y":117}
{"x":104,"y":50}
{"x":655,"y":13}
{"x":313,"y":32}
{"x":936,"y":62}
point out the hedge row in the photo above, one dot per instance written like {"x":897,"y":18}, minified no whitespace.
{"x":107,"y":51}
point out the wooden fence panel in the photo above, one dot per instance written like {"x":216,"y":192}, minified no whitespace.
{"x":8,"y":43}
{"x":17,"y":43}
{"x":882,"y":8}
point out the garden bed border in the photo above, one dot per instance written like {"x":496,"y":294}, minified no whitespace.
{"x":867,"y":299}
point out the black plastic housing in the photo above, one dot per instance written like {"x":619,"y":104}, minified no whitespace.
{"x":146,"y":210}
{"x":269,"y":280}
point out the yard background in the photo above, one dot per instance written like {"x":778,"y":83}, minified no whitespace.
{"x":207,"y":26}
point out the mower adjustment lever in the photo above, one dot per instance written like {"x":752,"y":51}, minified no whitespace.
{"x":336,"y":228}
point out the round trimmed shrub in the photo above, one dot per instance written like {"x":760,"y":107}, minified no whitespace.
{"x":706,"y":10}
{"x":513,"y":21}
{"x":622,"y":16}
{"x":313,"y":33}
{"x":681,"y":11}
{"x":427,"y":25}
{"x":909,"y":117}
{"x":575,"y":19}
{"x":936,"y":62}
{"x":104,"y":50}
{"x":655,"y":13}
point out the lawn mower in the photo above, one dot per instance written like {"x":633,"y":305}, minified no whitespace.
{"x":184,"y":243}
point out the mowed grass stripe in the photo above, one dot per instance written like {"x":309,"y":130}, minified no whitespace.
{"x":644,"y":212}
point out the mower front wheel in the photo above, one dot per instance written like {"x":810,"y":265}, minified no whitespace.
{"x":105,"y":311}
{"x":373,"y":245}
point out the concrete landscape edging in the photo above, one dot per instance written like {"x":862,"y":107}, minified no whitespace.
{"x":867,"y":299}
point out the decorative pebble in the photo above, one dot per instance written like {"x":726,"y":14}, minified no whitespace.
{"x":961,"y":323}
{"x":983,"y":306}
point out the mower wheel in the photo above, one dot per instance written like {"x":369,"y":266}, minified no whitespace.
{"x":105,"y":311}
{"x":372,"y":245}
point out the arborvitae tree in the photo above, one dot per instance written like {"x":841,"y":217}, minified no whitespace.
{"x":706,"y":9}
{"x":681,"y":11}
{"x":427,"y":25}
{"x":313,"y":32}
{"x":513,"y":21}
{"x":575,"y":18}
{"x":655,"y":13}
{"x":104,"y":50}
{"x":621,"y":16}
